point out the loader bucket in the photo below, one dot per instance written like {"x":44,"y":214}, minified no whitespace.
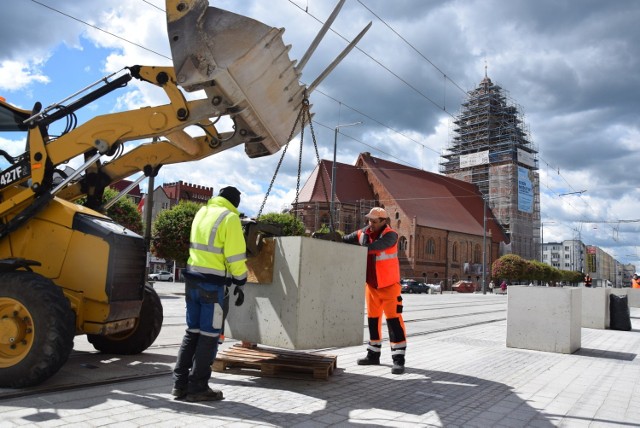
{"x":244,"y":68}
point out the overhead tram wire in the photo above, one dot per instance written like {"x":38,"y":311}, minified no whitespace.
{"x":100,"y":29}
{"x":411,"y":86}
{"x":318,"y":20}
{"x":363,"y":143}
{"x":169,"y":58}
{"x":416,"y":90}
{"x":413,"y":47}
{"x":377,"y":121}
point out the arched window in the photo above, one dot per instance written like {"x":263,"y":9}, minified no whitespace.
{"x":431,"y":248}
{"x":402,"y":244}
{"x":477,"y":253}
{"x":454,"y":252}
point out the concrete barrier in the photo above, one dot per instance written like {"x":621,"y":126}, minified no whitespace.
{"x":595,"y":307}
{"x":544,"y":318}
{"x":315,"y":299}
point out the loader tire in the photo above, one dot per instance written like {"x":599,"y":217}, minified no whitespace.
{"x":37,"y":327}
{"x":141,"y":336}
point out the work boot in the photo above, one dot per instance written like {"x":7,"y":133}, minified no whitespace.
{"x":398,"y":364}
{"x":372,"y":359}
{"x":207,"y":395}
{"x":179,"y":393}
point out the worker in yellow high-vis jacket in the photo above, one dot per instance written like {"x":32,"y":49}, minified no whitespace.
{"x":217,"y":259}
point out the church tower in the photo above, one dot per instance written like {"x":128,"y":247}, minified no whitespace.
{"x":491,"y":148}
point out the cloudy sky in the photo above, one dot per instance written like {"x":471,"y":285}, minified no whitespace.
{"x":572,"y":67}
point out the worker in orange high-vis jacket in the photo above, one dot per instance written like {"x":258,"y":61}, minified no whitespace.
{"x":635,"y":281}
{"x":382,"y":291}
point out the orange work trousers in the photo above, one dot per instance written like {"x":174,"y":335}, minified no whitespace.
{"x":387,"y":301}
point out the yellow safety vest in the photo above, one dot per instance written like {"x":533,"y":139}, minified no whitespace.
{"x":217,"y":245}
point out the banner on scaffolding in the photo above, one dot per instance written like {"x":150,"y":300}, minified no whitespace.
{"x":526,"y":158}
{"x":525,"y":190}
{"x":473,"y":159}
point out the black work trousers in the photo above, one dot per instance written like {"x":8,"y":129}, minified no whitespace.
{"x":193,"y":367}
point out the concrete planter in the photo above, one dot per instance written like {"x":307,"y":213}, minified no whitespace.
{"x":315,"y":299}
{"x":544,"y":318}
{"x":595,"y":308}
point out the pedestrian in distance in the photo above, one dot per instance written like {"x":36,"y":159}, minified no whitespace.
{"x":217,"y":259}
{"x":492,"y":285}
{"x":503,"y":286}
{"x":587,"y":280}
{"x":382,"y":289}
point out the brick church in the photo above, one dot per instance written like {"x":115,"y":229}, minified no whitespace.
{"x":439,"y":219}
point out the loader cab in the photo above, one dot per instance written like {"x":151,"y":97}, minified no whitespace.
{"x":12,"y":118}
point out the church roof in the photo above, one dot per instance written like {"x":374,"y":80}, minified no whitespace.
{"x":434,"y":200}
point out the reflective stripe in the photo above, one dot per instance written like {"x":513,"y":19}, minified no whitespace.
{"x":206,"y":333}
{"x":362,"y":237}
{"x":385,"y":256}
{"x":193,"y":330}
{"x":207,"y":270}
{"x":236,"y":258}
{"x":203,"y":247}
{"x":241,"y":277}
{"x":212,"y":237}
{"x":397,"y":352}
{"x":214,"y":229}
{"x":374,"y":349}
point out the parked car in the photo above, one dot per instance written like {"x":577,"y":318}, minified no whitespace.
{"x":464,"y":287}
{"x":412,"y":286}
{"x":161,"y":276}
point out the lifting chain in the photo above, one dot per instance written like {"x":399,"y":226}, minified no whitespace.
{"x":302,"y":114}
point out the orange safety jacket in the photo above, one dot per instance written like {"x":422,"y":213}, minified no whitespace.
{"x":635,"y":283}
{"x":387,"y":264}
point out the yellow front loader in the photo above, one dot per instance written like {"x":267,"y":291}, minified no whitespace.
{"x":66,"y":269}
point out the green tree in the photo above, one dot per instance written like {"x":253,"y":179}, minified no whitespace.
{"x":291,"y":226}
{"x":170,"y":232}
{"x":572,"y":277}
{"x":124,"y":212}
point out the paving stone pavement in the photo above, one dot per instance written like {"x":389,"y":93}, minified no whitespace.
{"x":462,"y":377}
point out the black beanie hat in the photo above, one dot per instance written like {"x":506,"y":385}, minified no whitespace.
{"x":231,"y":194}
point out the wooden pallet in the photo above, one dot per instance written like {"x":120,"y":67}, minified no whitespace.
{"x":275,"y":363}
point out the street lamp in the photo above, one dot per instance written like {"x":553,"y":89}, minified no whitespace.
{"x":484,"y":243}
{"x":332,"y":212}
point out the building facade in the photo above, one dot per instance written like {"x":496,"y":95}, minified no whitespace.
{"x":574,"y":255}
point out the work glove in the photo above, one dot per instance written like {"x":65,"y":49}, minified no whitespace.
{"x":238,"y":292}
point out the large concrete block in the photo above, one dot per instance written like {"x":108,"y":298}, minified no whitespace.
{"x":633,"y":295}
{"x":315,"y":299}
{"x":595,"y":307}
{"x":544,"y":318}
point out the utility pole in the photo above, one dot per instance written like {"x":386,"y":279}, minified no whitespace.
{"x":484,"y":244}
{"x":332,"y":212}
